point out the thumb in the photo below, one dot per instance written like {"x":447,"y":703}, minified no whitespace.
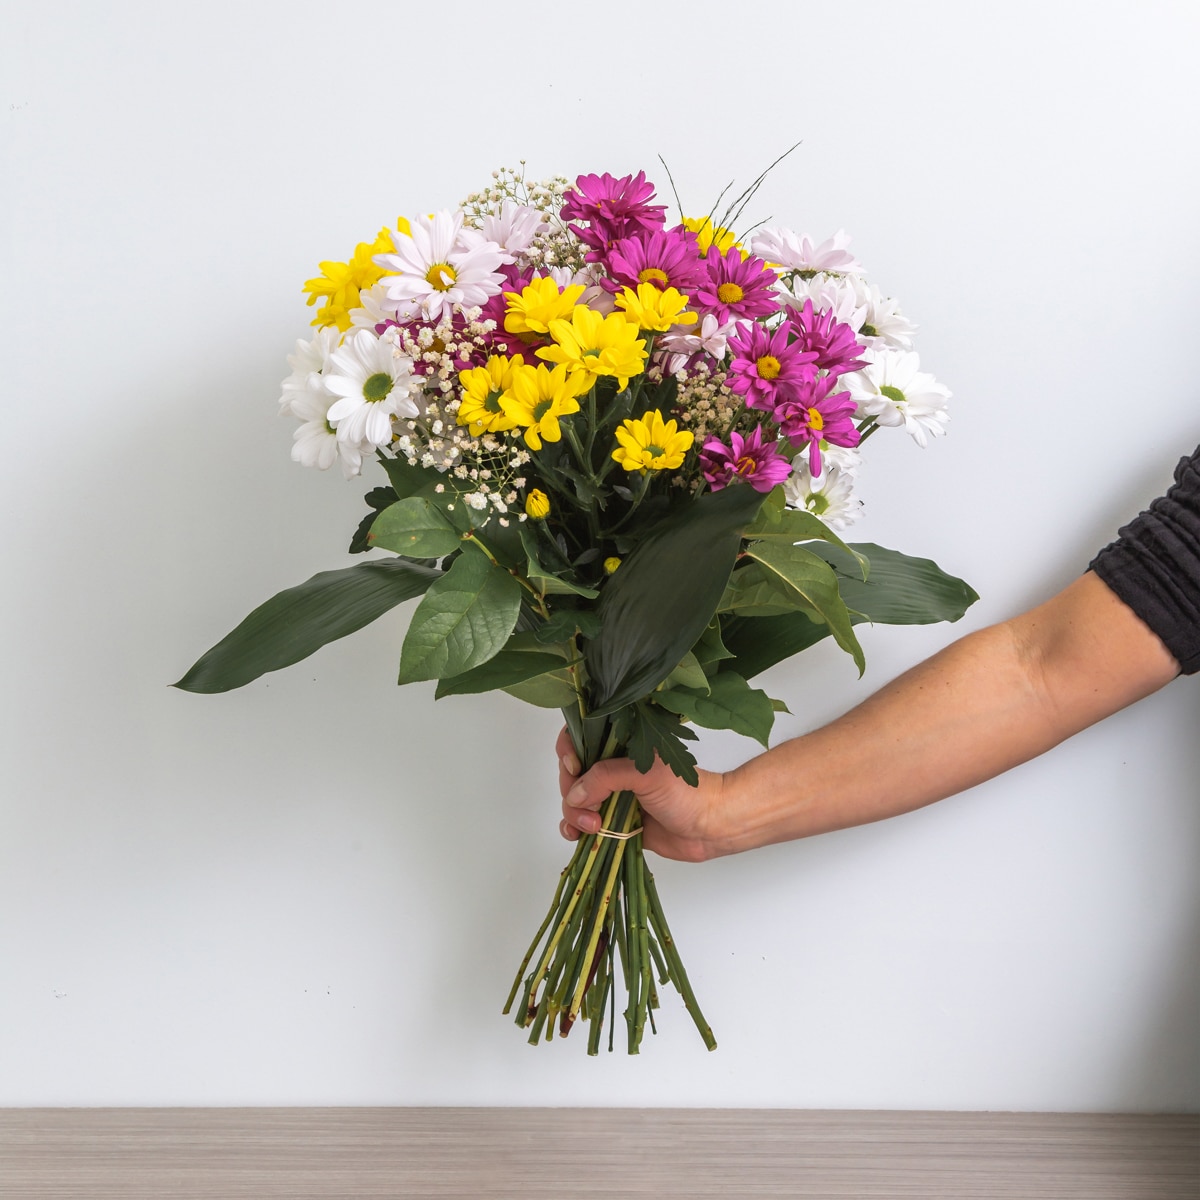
{"x":595,"y":786}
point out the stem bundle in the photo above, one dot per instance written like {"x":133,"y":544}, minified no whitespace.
{"x":605,"y":927}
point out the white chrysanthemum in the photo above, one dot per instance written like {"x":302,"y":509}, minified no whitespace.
{"x":709,"y":337}
{"x":836,"y":293}
{"x":372,"y":381}
{"x":891,"y":389}
{"x":798,"y":252}
{"x":438,"y":268}
{"x":513,"y":228}
{"x":310,"y":359}
{"x":883,"y":323}
{"x":316,"y":443}
{"x":829,"y":495}
{"x":374,"y":310}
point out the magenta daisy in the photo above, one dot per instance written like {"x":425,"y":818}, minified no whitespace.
{"x":766,"y":367}
{"x":811,"y":415}
{"x":745,"y":458}
{"x":833,"y":344}
{"x":736,"y":287}
{"x":613,"y":208}
{"x":664,"y":257}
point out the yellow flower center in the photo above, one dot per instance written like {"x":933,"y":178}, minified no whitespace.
{"x":653,"y":275}
{"x":815,"y":420}
{"x":441,"y":277}
{"x":730,"y":293}
{"x":768,"y":367}
{"x":746,"y":465}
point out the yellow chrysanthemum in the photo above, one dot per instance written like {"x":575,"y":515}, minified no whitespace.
{"x":529,"y":314}
{"x":480,"y":407}
{"x":708,"y":234}
{"x":340,"y":283}
{"x":538,"y":396}
{"x":652,"y":309}
{"x":651,"y":444}
{"x":595,"y":344}
{"x":537,"y":505}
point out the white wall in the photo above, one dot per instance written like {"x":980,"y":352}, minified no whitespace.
{"x":315,"y":890}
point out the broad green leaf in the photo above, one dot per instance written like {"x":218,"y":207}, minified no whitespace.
{"x":710,"y":650}
{"x":796,"y":525}
{"x":464,"y":619}
{"x":656,"y":606}
{"x":814,"y":579}
{"x":755,"y":590}
{"x":294,"y":623}
{"x":731,"y":703}
{"x":414,"y":527}
{"x":687,"y":674}
{"x":900,"y":590}
{"x":409,"y":480}
{"x":544,"y":580}
{"x":554,"y":689}
{"x":507,"y":668}
{"x":562,"y":625}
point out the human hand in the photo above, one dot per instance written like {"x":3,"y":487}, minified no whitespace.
{"x":678,"y":821}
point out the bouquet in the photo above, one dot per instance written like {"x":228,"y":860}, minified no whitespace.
{"x":617,"y":455}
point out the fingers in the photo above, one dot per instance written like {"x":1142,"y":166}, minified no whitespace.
{"x":584,"y":796}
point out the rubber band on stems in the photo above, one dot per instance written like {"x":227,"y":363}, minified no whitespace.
{"x":617,"y":835}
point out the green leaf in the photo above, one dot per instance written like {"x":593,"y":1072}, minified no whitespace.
{"x":757,"y":591}
{"x":505,"y":669}
{"x":464,"y":619}
{"x":731,"y":703}
{"x":294,"y":623}
{"x":797,"y":525}
{"x":562,"y":625}
{"x":687,"y":674}
{"x":546,"y":581}
{"x":710,"y":650}
{"x":814,"y":579}
{"x":657,"y":604}
{"x":414,"y":527}
{"x":653,"y":730}
{"x":377,"y":500}
{"x":900,"y":590}
{"x":409,"y":480}
{"x":554,"y":689}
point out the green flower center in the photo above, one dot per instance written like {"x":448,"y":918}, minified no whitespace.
{"x":655,"y":451}
{"x":816,"y":504}
{"x":377,"y":387}
{"x":492,"y":403}
{"x":894,"y":394}
{"x":541,"y":408}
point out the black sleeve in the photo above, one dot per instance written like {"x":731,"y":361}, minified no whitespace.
{"x":1154,"y":566}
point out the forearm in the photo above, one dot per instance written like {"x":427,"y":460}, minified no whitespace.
{"x":986,"y":703}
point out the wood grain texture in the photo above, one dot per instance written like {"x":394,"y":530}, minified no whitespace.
{"x":549,"y":1154}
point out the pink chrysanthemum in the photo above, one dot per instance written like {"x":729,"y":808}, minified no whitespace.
{"x":736,"y":287}
{"x":613,"y":208}
{"x":747,"y":459}
{"x":495,"y":307}
{"x":834,"y":344}
{"x":666,"y":258}
{"x":766,"y":367}
{"x":812,"y":415}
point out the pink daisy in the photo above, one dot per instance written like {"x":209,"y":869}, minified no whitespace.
{"x":736,"y":287}
{"x":834,"y":344}
{"x":613,"y":208}
{"x":747,"y":459}
{"x":811,"y":416}
{"x":665,"y":258}
{"x":766,"y":367}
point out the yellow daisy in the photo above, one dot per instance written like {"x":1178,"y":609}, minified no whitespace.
{"x":652,"y":309}
{"x":651,"y":444}
{"x":596,"y":344}
{"x":538,"y":396}
{"x":480,"y":407}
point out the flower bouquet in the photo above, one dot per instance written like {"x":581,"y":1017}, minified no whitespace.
{"x":618,"y":454}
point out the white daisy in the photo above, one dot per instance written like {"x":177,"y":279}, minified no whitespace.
{"x":836,"y":293}
{"x":883,"y":320}
{"x":374,"y":310}
{"x":709,"y":337}
{"x":891,"y":389}
{"x":372,"y":382}
{"x":513,"y":228}
{"x":316,"y":443}
{"x":828,"y":495}
{"x":438,"y":268}
{"x":800,"y":253}
{"x":310,"y":359}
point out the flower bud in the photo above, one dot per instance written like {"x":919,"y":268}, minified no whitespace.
{"x":537,"y":505}
{"x":611,"y":564}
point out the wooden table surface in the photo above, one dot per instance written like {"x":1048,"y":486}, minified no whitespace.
{"x":552,"y":1154}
